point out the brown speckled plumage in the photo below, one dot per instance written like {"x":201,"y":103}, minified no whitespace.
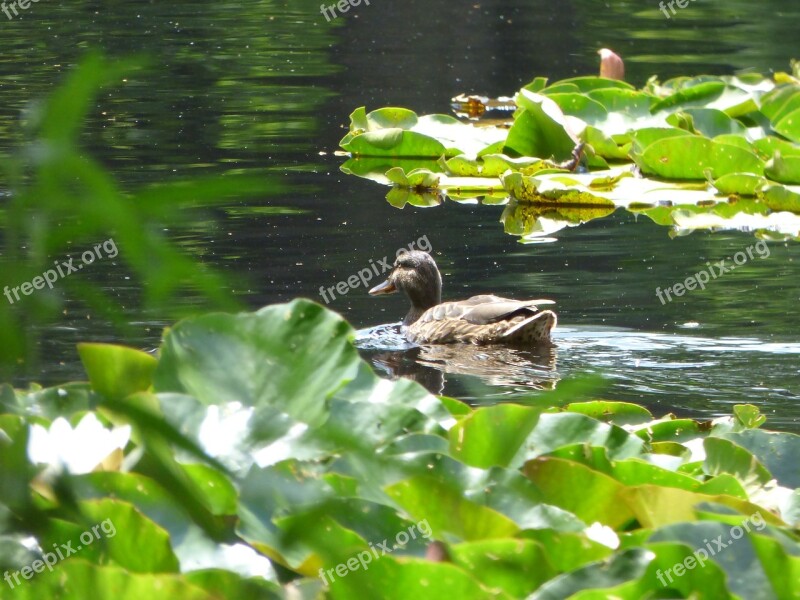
{"x":480,"y":320}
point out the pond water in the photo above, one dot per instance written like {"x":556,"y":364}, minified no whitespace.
{"x":267,"y":86}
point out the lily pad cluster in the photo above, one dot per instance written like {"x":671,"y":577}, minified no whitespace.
{"x":257,"y":456}
{"x":721,"y":138}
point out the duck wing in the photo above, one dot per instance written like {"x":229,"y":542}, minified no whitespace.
{"x":483,"y":310}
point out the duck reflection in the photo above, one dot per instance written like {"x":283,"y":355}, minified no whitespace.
{"x":533,"y":369}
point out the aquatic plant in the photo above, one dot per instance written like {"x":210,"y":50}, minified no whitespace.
{"x":265,"y":456}
{"x":690,"y":143}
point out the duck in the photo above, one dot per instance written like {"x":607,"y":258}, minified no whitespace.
{"x":480,"y":320}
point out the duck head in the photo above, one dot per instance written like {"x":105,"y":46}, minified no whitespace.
{"x":415,"y":274}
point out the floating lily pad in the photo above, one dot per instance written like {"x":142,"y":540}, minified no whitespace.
{"x":694,"y":95}
{"x":779,"y":197}
{"x":743,"y":184}
{"x":540,"y":130}
{"x":783,"y":169}
{"x":709,"y":122}
{"x":688,"y":157}
{"x":587,"y":84}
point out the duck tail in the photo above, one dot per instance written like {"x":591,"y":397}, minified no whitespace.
{"x":533,"y":330}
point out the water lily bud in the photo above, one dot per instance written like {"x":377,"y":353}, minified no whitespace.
{"x":437,"y":552}
{"x":611,"y":65}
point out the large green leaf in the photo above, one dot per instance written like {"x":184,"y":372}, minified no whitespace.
{"x":789,"y":126}
{"x":688,"y":157}
{"x":295,"y":355}
{"x":449,"y":513}
{"x":517,"y":567}
{"x":492,"y":435}
{"x":116,"y":371}
{"x":568,"y":551}
{"x":655,"y":506}
{"x":115,"y":531}
{"x":396,"y":143}
{"x":76,"y":578}
{"x":724,"y":456}
{"x":625,"y":566}
{"x":781,"y":567}
{"x":599,"y":498}
{"x":778,"y":452}
{"x":784,"y":169}
{"x":709,"y":122}
{"x":540,"y":130}
{"x":393,"y":579}
{"x":733,"y":550}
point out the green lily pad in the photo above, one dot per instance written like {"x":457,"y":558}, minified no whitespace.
{"x":580,"y":105}
{"x":783,"y":169}
{"x":742,"y":184}
{"x":696,"y":95}
{"x":709,"y":122}
{"x":515,"y":566}
{"x":724,"y":456}
{"x":618,"y":413}
{"x":390,"y":117}
{"x":778,"y":452}
{"x":540,"y":130}
{"x":604,"y":145}
{"x":77,"y":578}
{"x":789,"y":126}
{"x":767,"y":146}
{"x":588,"y":83}
{"x":645,"y":137}
{"x":418,"y":178}
{"x":294,"y":354}
{"x":395,"y":143}
{"x":492,"y":435}
{"x":599,"y":500}
{"x":781,"y":101}
{"x":394,"y":579}
{"x":116,"y":372}
{"x":448,"y":512}
{"x":626,"y":566}
{"x":779,"y":198}
{"x":688,"y":157}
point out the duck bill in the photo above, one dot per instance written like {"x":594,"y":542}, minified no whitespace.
{"x":387,"y":287}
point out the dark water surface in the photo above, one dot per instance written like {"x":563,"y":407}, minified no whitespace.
{"x":267,"y":86}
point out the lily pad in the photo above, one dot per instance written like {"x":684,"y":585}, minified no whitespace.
{"x":540,"y":130}
{"x":688,"y":157}
{"x":295,"y":354}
